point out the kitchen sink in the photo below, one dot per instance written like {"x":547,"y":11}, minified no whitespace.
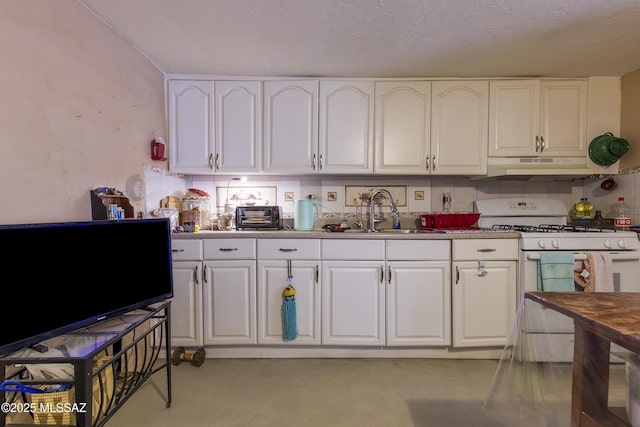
{"x":389,"y":231}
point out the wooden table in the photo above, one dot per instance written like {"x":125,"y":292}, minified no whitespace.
{"x":600,"y":318}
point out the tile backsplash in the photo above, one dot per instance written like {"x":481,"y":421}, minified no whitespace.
{"x":423,"y":194}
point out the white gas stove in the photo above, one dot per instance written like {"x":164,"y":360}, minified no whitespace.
{"x":543,"y":226}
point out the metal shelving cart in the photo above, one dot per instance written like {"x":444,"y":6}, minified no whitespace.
{"x":109,"y":362}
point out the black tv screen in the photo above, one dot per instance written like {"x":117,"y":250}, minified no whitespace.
{"x":63,"y":276}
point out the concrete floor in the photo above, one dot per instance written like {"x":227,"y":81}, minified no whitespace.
{"x":317,"y":392}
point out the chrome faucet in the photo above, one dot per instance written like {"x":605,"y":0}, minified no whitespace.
{"x":372,"y":221}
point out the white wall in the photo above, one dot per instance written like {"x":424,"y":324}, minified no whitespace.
{"x":78,"y":109}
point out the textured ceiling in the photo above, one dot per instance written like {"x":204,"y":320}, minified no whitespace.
{"x":381,"y":38}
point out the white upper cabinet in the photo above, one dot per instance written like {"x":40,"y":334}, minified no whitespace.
{"x":437,"y":128}
{"x":204,"y":142}
{"x":346,"y":127}
{"x":190,"y":126}
{"x":318,"y":127}
{"x":402,"y":127}
{"x":290,"y":126}
{"x":238,"y":125}
{"x":459,"y":127}
{"x":538,"y":118}
{"x":563,"y":116}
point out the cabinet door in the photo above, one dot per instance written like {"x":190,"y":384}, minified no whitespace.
{"x":290,"y":126}
{"x":191,"y":130}
{"x":513,"y":118}
{"x":353,"y":303}
{"x":346,"y":127}
{"x":459,"y":127}
{"x":238,"y":126}
{"x":418,"y":303}
{"x":484,"y":305}
{"x":272,"y":276}
{"x":229,"y":302}
{"x":402,"y":127}
{"x":563,"y":117}
{"x":186,"y":305}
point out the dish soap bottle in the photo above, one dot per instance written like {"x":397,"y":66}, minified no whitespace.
{"x":621,"y":215}
{"x":584,"y":209}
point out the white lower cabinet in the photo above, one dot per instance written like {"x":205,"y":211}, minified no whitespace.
{"x":229,"y":302}
{"x":214,"y":292}
{"x":418,"y":294}
{"x":484,"y":291}
{"x":277,"y":258}
{"x":229,"y":292}
{"x":186,"y":304}
{"x":353,"y":294}
{"x":353,"y":303}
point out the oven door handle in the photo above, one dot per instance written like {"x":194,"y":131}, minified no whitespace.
{"x":583,"y":256}
{"x":535,"y":257}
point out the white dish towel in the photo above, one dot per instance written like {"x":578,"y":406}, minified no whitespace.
{"x":595,"y":274}
{"x":603,"y":268}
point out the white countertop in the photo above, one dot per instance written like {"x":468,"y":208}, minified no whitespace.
{"x":321,"y":234}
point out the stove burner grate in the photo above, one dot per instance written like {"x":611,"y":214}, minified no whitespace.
{"x":553,"y":228}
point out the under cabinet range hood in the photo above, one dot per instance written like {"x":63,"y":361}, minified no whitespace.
{"x":540,"y":168}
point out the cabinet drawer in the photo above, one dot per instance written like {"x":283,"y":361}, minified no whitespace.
{"x":289,"y":248}
{"x":230,"y":249}
{"x":186,"y":250}
{"x":424,"y":250}
{"x":340,"y":249}
{"x":484,"y":249}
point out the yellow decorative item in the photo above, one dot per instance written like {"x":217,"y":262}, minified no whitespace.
{"x":289,"y":291}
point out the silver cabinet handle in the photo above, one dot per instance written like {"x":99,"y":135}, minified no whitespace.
{"x":317,"y":273}
{"x":389,"y":274}
{"x":217,"y":161}
{"x":481,"y":271}
{"x":433,"y":162}
{"x":314,"y":161}
{"x":542,"y":144}
{"x":210,"y":161}
{"x":195,"y":275}
{"x":177,"y":250}
{"x":381,"y":274}
{"x":537,"y":143}
{"x":287,"y":250}
{"x":457,"y":274}
{"x":486,"y":250}
{"x":426,"y":162}
{"x":228,"y":249}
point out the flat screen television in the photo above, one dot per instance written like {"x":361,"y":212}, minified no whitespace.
{"x":58,"y":277}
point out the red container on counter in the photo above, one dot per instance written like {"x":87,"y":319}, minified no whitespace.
{"x":448,"y":220}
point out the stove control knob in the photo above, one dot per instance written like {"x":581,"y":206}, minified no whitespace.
{"x":622,"y":243}
{"x":555,"y":244}
{"x":542,"y":244}
{"x":607,"y":244}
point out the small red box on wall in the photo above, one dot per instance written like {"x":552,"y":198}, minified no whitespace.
{"x":157,"y":149}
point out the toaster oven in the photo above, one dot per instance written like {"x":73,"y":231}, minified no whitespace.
{"x":258,"y":217}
